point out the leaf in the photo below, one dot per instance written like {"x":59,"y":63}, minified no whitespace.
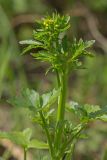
{"x":32,"y":100}
{"x":99,"y":113}
{"x":33,"y":97}
{"x":89,"y":43}
{"x":20,"y":101}
{"x":79,"y":48}
{"x":50,"y":98}
{"x":91,"y":108}
{"x":23,"y":139}
{"x":87,"y":112}
{"x":77,"y":109}
{"x":28,"y":49}
{"x":37,"y":144}
{"x":31,"y":45}
{"x":28,"y":99}
{"x":76,"y":131}
{"x":103,"y":118}
{"x":30,"y":42}
{"x":16,"y":137}
{"x":27,"y":133}
{"x":49,"y":113}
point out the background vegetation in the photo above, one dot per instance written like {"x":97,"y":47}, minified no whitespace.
{"x":88,"y":21}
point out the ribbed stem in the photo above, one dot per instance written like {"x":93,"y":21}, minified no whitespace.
{"x":62,"y":98}
{"x":61,"y":108}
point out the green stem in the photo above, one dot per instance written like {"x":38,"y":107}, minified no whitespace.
{"x":61,"y":108}
{"x":25,"y":154}
{"x":73,"y":138}
{"x":47,"y":134}
{"x":62,"y":98}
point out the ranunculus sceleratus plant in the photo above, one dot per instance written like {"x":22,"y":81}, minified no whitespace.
{"x":50,"y":44}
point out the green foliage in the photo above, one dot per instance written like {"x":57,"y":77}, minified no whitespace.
{"x":50,"y":44}
{"x":32,"y":100}
{"x":53,"y":45}
{"x":24,"y":139}
{"x":87,"y":112}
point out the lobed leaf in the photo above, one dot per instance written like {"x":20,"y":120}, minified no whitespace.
{"x":16,"y":137}
{"x":23,"y":139}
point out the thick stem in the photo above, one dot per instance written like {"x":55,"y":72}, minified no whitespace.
{"x":25,"y":154}
{"x":62,"y":98}
{"x":61,"y":109}
{"x":47,"y":134}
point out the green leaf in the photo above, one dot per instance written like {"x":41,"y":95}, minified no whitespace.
{"x":91,"y":108}
{"x":31,"y":45}
{"x":28,"y":49}
{"x":23,"y":139}
{"x":49,"y":113}
{"x":27,"y":133}
{"x":28,"y":99}
{"x":20,"y":101}
{"x":79,"y":48}
{"x":103,"y":118}
{"x":37,"y":144}
{"x":87,"y":112}
{"x":49,"y":98}
{"x":99,"y":113}
{"x":88,"y":44}
{"x":16,"y":137}
{"x":32,"y":100}
{"x":30,"y":42}
{"x":77,"y":109}
{"x":77,"y":129}
{"x":33,"y":97}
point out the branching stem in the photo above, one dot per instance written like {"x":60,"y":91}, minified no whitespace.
{"x":47,"y":134}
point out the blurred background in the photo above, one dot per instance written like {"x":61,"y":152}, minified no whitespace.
{"x":88,"y":21}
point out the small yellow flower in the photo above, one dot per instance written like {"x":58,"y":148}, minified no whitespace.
{"x":47,"y":22}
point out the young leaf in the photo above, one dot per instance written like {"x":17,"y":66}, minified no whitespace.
{"x":30,"y":42}
{"x":88,"y":44}
{"x":27,"y":133}
{"x":28,"y":99}
{"x":99,"y":113}
{"x":77,"y":109}
{"x":50,"y":98}
{"x":16,"y":137}
{"x":37,"y":144}
{"x":91,"y":108}
{"x":23,"y":139}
